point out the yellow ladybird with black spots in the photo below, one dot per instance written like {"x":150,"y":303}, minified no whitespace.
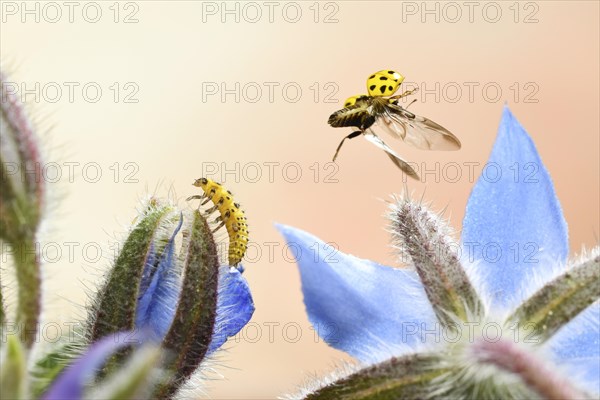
{"x":384,"y":83}
{"x":380,"y":111}
{"x":350,"y":101}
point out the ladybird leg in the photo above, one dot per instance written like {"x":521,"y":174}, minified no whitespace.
{"x":195,"y":197}
{"x":350,"y":136}
{"x":410,"y":103}
{"x":406,"y":93}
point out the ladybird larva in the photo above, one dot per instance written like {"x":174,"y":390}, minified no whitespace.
{"x":230,"y":215}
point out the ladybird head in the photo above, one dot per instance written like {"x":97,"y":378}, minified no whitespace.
{"x":201,"y":182}
{"x":384,"y":83}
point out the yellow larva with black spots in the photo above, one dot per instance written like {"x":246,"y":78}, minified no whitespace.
{"x":231,"y":216}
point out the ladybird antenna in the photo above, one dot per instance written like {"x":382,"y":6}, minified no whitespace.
{"x":414,"y":100}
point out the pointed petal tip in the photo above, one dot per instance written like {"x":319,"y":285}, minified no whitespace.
{"x":283,"y":228}
{"x":296,"y":236}
{"x":356,"y":305}
{"x":517,"y":205}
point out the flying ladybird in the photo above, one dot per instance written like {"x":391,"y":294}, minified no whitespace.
{"x":379,"y":111}
{"x":231,"y":216}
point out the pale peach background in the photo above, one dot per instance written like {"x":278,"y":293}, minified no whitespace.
{"x":171,"y":132}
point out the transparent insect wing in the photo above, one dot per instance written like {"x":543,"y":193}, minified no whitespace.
{"x":396,"y":159}
{"x":417,"y":131}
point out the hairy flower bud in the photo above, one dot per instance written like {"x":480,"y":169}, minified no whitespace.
{"x":21,"y":202}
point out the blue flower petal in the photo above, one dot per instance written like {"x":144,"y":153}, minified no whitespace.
{"x":513,"y":223}
{"x":156,"y":306}
{"x":358,"y":306}
{"x":71,"y":383}
{"x":576,"y":348}
{"x":234,"y":306}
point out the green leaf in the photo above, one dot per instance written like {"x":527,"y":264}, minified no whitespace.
{"x":52,"y":364}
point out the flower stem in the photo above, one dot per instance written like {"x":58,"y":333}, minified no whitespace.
{"x":28,"y":278}
{"x":13,"y":374}
{"x":2,"y":312}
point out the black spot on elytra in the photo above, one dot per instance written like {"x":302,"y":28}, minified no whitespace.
{"x":391,"y":72}
{"x":372,"y":76}
{"x":383,"y":78}
{"x":390,"y":87}
{"x":372,"y":87}
{"x":382,"y":88}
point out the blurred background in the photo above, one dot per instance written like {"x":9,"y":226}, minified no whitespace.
{"x":135,"y":98}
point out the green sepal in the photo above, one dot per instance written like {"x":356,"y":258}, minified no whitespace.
{"x":423,"y":240}
{"x":116,"y":304}
{"x":407,"y":377}
{"x":560,"y":300}
{"x":190,"y":334}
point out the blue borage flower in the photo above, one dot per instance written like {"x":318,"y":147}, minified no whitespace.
{"x":374,"y":312}
{"x":173,"y":290}
{"x":178,"y":303}
{"x":161,"y":288}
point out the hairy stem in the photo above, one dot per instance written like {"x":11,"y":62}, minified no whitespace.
{"x":29,"y":282}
